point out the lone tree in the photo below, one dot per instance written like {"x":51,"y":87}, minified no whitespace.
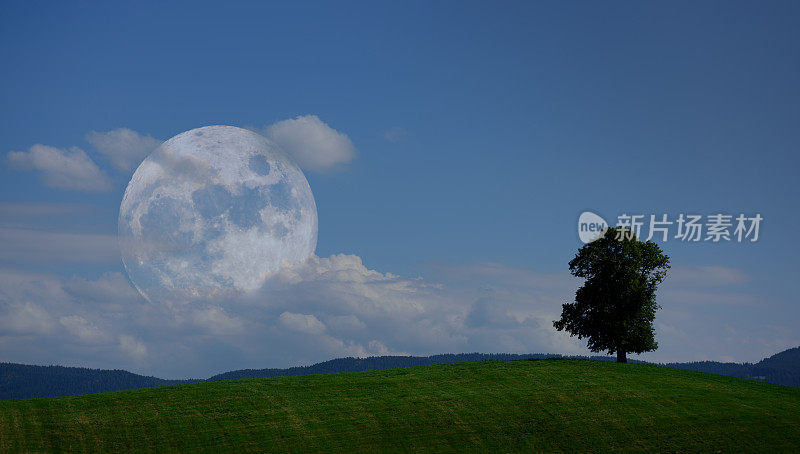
{"x":616,"y":306}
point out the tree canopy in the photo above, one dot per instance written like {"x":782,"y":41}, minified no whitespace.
{"x":616,"y":306}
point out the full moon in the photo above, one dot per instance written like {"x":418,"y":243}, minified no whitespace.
{"x":214,"y":209}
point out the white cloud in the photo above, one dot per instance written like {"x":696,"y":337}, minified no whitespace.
{"x":486,"y":312}
{"x":345,"y":323}
{"x":111,"y":286}
{"x":24,"y":318}
{"x":65,"y":169}
{"x":42,"y":322}
{"x":313,"y":144}
{"x":20,"y":286}
{"x":304,"y":323}
{"x":362,"y":305}
{"x":124,"y":147}
{"x":378,"y":349}
{"x":132,"y":347}
{"x":217,"y":321}
{"x":84,"y":330}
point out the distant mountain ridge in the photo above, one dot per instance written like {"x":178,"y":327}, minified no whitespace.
{"x":781,"y":368}
{"x":20,"y":381}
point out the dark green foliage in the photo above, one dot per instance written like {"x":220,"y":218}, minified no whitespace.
{"x":616,"y":306}
{"x":519,"y":406}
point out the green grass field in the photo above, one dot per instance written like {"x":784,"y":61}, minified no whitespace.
{"x":548,"y":405}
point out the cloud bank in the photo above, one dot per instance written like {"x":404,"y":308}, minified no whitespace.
{"x":335,"y":306}
{"x":313,"y":311}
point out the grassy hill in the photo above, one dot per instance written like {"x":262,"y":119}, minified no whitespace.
{"x":546,"y":405}
{"x":21,"y":381}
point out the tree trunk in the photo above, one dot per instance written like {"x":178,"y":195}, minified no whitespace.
{"x":621,"y":358}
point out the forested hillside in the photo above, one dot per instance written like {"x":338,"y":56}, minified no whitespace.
{"x":782,"y":368}
{"x":20,"y":381}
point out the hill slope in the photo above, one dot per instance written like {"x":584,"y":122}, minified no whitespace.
{"x":20,"y":381}
{"x":377,"y":363}
{"x":520,"y":405}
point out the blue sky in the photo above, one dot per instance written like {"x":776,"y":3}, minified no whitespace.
{"x":482,"y":130}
